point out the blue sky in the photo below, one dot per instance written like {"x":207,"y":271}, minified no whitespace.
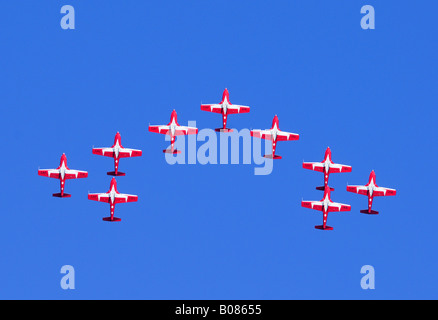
{"x":218,"y":231}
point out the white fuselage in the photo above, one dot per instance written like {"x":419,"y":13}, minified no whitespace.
{"x":326,"y":202}
{"x":225,"y":105}
{"x":327,"y":164}
{"x":172,"y":127}
{"x":112,"y":194}
{"x":116,"y":149}
{"x":274,"y":132}
{"x":371,"y":187}
{"x":62,"y":170}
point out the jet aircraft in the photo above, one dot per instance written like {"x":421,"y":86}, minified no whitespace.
{"x":326,"y":166}
{"x":371,"y":190}
{"x":325,"y":205}
{"x":112,"y":197}
{"x":117,"y":151}
{"x":225,"y":107}
{"x":63,"y":173}
{"x":173,"y":129}
{"x":274,"y":134}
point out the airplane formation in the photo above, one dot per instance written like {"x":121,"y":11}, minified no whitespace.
{"x":326,"y":204}
{"x":225,"y":108}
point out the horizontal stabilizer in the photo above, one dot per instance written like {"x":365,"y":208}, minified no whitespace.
{"x":323,"y":188}
{"x":269,"y":156}
{"x":59,"y":195}
{"x":322,"y":228}
{"x":223,"y":130}
{"x":113,"y":173}
{"x":170,"y":151}
{"x":114,"y":219}
{"x":369,"y":212}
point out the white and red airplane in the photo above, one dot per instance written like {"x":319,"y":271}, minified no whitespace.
{"x":326,"y":205}
{"x":225,"y":107}
{"x":326,"y":166}
{"x":173,"y":129}
{"x":371,"y":189}
{"x":274,"y":134}
{"x":117,"y":151}
{"x":62,"y":173}
{"x":112,"y":197}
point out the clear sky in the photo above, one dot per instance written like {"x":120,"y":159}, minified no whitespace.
{"x":218,"y":231}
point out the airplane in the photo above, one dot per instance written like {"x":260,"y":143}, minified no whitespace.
{"x":274,"y":134}
{"x":112,"y":197}
{"x":62,"y":173}
{"x":326,"y":166}
{"x":326,"y":205}
{"x":225,"y":107}
{"x":371,"y":190}
{"x":117,"y":151}
{"x":173,"y":129}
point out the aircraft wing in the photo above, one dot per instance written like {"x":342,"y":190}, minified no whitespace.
{"x":123,"y":198}
{"x":216,"y":108}
{"x":50,"y":173}
{"x":179,"y":130}
{"x":338,"y":207}
{"x":127,"y":153}
{"x":337,"y":168}
{"x":262,"y":134}
{"x":106,"y":152}
{"x":315,"y":205}
{"x":182,"y":130}
{"x":287,"y":136}
{"x":315,"y":166}
{"x":101,"y":197}
{"x":358,"y":189}
{"x":160,"y":129}
{"x":75,"y":174}
{"x":380,"y":191}
{"x":234,"y":108}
